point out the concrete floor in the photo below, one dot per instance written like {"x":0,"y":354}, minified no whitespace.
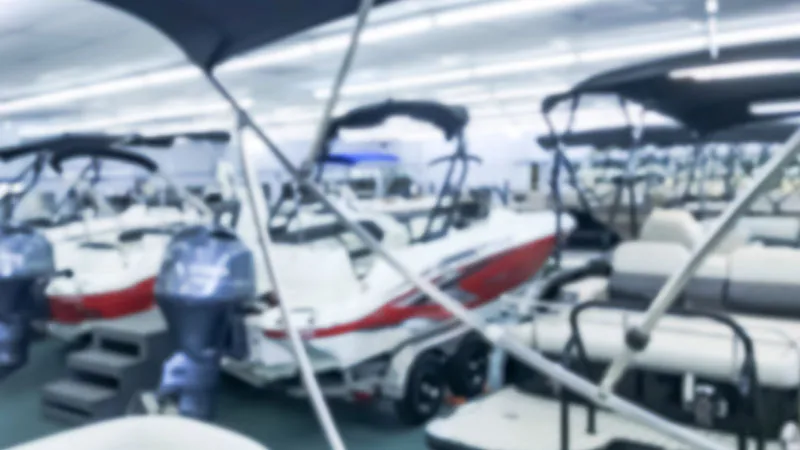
{"x":277,"y":422}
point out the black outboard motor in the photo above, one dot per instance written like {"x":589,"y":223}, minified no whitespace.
{"x":26,"y":260}
{"x":206,"y":277}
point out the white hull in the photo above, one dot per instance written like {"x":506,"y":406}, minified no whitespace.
{"x":348,"y":321}
{"x":111,"y":278}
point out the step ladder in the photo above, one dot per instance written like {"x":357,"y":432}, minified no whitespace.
{"x":123,"y":358}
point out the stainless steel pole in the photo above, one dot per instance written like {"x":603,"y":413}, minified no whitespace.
{"x":338,"y":82}
{"x":638,"y":336}
{"x":260,"y":211}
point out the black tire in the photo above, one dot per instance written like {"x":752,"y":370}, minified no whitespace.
{"x":467,"y":368}
{"x":424,"y":390}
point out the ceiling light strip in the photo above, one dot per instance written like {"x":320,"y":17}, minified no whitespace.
{"x":395,"y":31}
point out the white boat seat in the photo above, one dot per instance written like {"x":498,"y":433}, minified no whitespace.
{"x":680,"y":227}
{"x":762,"y":205}
{"x":773,"y":229}
{"x":145,"y":433}
{"x":764,"y":280}
{"x":751,"y":279}
{"x":317,"y":276}
{"x":640,"y":269}
{"x":672,"y":225}
{"x":791,"y":204}
{"x":712,"y":356}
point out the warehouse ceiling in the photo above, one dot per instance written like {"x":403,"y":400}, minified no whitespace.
{"x":73,"y":65}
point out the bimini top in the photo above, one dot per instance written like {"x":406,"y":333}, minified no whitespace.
{"x":116,"y":154}
{"x":717,"y":97}
{"x":211,"y":31}
{"x":665,"y":136}
{"x":72,"y":142}
{"x":64,"y":142}
{"x":451,"y":120}
{"x":352,"y":159}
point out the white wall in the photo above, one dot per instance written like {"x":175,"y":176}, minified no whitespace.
{"x":505,"y":159}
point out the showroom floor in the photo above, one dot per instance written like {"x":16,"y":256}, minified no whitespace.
{"x":279,"y":423}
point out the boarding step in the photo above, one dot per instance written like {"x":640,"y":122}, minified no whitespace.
{"x":124,"y":357}
{"x":75,"y":401}
{"x":114,"y":366}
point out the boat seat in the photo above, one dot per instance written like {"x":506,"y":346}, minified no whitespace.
{"x":762,"y":205}
{"x":640,"y":269}
{"x":764,"y":281}
{"x":791,"y":204}
{"x":672,"y":225}
{"x":775,"y":230}
{"x":321,"y":276}
{"x":679,"y":226}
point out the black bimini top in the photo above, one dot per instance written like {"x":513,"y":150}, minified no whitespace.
{"x":704,"y":106}
{"x":116,"y":154}
{"x":60,"y":143}
{"x":212,"y":31}
{"x":66,"y":143}
{"x":451,"y":120}
{"x":663,"y":136}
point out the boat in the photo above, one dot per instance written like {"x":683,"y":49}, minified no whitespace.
{"x":107,"y":257}
{"x":206,"y":44}
{"x":374,"y":184}
{"x":699,"y":324}
{"x":359,"y":312}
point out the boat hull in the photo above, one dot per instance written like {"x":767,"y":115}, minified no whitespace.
{"x":478,"y":283}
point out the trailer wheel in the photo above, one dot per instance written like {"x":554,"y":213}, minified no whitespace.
{"x":467,"y":368}
{"x":424,"y":390}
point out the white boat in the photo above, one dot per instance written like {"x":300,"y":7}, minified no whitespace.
{"x":107,"y":259}
{"x":358,"y":314}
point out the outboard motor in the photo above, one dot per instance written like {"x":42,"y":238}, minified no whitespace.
{"x":207,"y":276}
{"x":26,"y":259}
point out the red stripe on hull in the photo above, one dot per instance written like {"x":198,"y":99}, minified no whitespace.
{"x":107,"y":305}
{"x":485,"y":281}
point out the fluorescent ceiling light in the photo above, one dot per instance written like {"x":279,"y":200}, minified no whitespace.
{"x":638,"y":51}
{"x":185,"y":126}
{"x":416,"y":81}
{"x":397,"y":29}
{"x":760,"y":34}
{"x":743,"y":69}
{"x":464,"y":89}
{"x":467,"y":15}
{"x":494,"y":10}
{"x":782,"y":107}
{"x":327,"y":44}
{"x":400,"y":83}
{"x":507,"y":94}
{"x":532,"y":65}
{"x":101,"y":89}
{"x":273,"y":57}
{"x":132,"y":118}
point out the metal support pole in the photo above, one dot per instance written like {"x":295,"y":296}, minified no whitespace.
{"x":341,"y":77}
{"x":637,"y":337}
{"x":259,"y":208}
